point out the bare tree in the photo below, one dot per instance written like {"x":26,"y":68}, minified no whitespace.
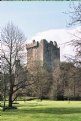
{"x":75,"y":14}
{"x":12,"y":49}
{"x":70,"y":77}
{"x":42,"y":80}
{"x":75,"y":19}
{"x":57,"y":84}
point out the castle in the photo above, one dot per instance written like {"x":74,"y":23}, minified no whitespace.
{"x":47,"y":53}
{"x":48,"y":56}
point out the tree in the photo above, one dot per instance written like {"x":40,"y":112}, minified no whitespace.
{"x":75,"y":16}
{"x":55,"y":82}
{"x":41,"y":78}
{"x":70,"y":76}
{"x":13,"y":41}
{"x":75,"y":19}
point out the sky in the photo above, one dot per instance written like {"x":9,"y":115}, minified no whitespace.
{"x":38,"y":17}
{"x":33,"y":17}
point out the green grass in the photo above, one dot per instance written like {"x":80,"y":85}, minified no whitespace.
{"x":44,"y":111}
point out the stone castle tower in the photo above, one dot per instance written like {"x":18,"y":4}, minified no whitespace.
{"x":47,"y":53}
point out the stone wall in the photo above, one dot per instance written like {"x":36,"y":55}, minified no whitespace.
{"x":47,"y":53}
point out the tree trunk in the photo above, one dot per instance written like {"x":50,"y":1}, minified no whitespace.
{"x":4,"y":98}
{"x":11,"y":80}
{"x":74,"y":89}
{"x":10,"y":100}
{"x":10,"y":96}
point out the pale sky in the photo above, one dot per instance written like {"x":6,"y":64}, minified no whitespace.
{"x":34,"y":17}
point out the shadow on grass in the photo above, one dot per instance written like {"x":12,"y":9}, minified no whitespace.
{"x":52,"y":110}
{"x":46,"y":110}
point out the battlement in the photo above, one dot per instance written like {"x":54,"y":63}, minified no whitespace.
{"x":43,"y":41}
{"x":51,"y":43}
{"x":46,"y":52}
{"x":33,"y":44}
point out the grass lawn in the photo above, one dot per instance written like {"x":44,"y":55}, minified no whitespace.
{"x":44,"y":111}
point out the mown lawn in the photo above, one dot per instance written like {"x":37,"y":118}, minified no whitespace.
{"x":44,"y":111}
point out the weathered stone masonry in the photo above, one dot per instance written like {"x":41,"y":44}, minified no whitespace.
{"x":47,"y":53}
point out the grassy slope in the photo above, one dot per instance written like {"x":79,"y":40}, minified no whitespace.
{"x":44,"y":111}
